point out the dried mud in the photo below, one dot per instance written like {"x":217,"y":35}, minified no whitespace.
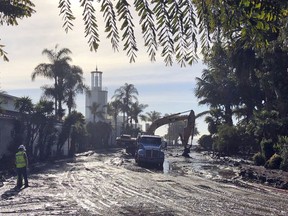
{"x":110,"y":183}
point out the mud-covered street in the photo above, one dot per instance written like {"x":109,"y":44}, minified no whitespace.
{"x":112,"y":184}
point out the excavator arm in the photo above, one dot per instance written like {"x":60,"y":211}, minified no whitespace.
{"x":188,"y":130}
{"x":165,"y":120}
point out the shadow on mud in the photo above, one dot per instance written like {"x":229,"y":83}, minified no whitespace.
{"x":151,"y":167}
{"x":10,"y":193}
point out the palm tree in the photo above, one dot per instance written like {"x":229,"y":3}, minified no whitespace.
{"x":55,"y":70}
{"x":74,"y":83}
{"x":153,"y":116}
{"x":26,"y":108}
{"x":126,"y":94}
{"x":24,"y":105}
{"x":78,"y":133}
{"x":97,"y":111}
{"x":113,"y":109}
{"x":136,"y":110}
{"x":218,"y":87}
{"x":45,"y":133}
{"x":68,"y":131}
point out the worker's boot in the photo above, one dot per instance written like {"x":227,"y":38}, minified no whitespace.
{"x":19,"y":183}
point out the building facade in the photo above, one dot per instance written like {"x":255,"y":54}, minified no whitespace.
{"x":98,"y":95}
{"x":8,"y":117}
{"x":8,"y":114}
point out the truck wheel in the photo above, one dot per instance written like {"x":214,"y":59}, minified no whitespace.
{"x":137,"y":161}
{"x":135,"y":156}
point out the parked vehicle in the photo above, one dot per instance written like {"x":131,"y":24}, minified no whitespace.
{"x":128,"y":142}
{"x":149,"y":150}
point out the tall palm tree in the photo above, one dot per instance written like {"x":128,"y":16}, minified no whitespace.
{"x":96,"y":110}
{"x":113,"y":109}
{"x":136,"y":110}
{"x":24,"y":105}
{"x":126,"y":94}
{"x":73,"y":83}
{"x":217,"y":86}
{"x":55,"y":70}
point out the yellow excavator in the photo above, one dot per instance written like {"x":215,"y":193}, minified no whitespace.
{"x":188,"y":130}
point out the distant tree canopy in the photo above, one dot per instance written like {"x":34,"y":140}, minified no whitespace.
{"x":10,"y":12}
{"x":245,"y":89}
{"x":175,"y":26}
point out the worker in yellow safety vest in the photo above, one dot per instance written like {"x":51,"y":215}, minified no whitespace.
{"x":21,"y":166}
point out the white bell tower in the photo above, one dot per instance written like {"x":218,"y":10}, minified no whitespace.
{"x":97,"y":95}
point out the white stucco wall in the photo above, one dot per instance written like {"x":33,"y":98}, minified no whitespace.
{"x":6,"y":126}
{"x":8,"y":102}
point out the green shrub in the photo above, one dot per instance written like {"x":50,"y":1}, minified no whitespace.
{"x":274,"y":162}
{"x":284,"y":165}
{"x":267,"y":148}
{"x":281,"y":148}
{"x":259,"y":159}
{"x":281,"y":144}
{"x":206,"y":142}
{"x":227,"y":141}
{"x":284,"y":162}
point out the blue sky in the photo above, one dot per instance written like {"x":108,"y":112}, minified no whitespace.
{"x":165,"y":89}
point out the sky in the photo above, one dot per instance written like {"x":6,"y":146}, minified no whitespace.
{"x":165,"y":89}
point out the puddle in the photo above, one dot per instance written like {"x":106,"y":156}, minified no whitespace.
{"x":198,"y":164}
{"x":172,"y":169}
{"x":166,"y":167}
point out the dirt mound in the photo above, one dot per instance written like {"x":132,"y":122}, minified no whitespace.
{"x":259,"y":174}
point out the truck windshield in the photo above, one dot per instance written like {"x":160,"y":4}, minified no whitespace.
{"x":150,"y":140}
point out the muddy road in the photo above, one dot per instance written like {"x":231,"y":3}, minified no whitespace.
{"x":112,"y":184}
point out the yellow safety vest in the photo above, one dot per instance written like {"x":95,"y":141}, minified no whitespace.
{"x":20,"y":159}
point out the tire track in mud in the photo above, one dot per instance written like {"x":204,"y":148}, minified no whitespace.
{"x":97,"y":191}
{"x":118,"y":186}
{"x":52,"y":200}
{"x":257,"y":197}
{"x":38,"y":199}
{"x":91,"y":194}
{"x":76,"y":192}
{"x":144,"y":189}
{"x":94,"y":187}
{"x":221,"y":195}
{"x":171,"y":194}
{"x":114,"y":186}
{"x":236,"y":200}
{"x":161,"y":193}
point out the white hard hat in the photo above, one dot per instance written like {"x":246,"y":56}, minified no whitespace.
{"x":22,"y":147}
